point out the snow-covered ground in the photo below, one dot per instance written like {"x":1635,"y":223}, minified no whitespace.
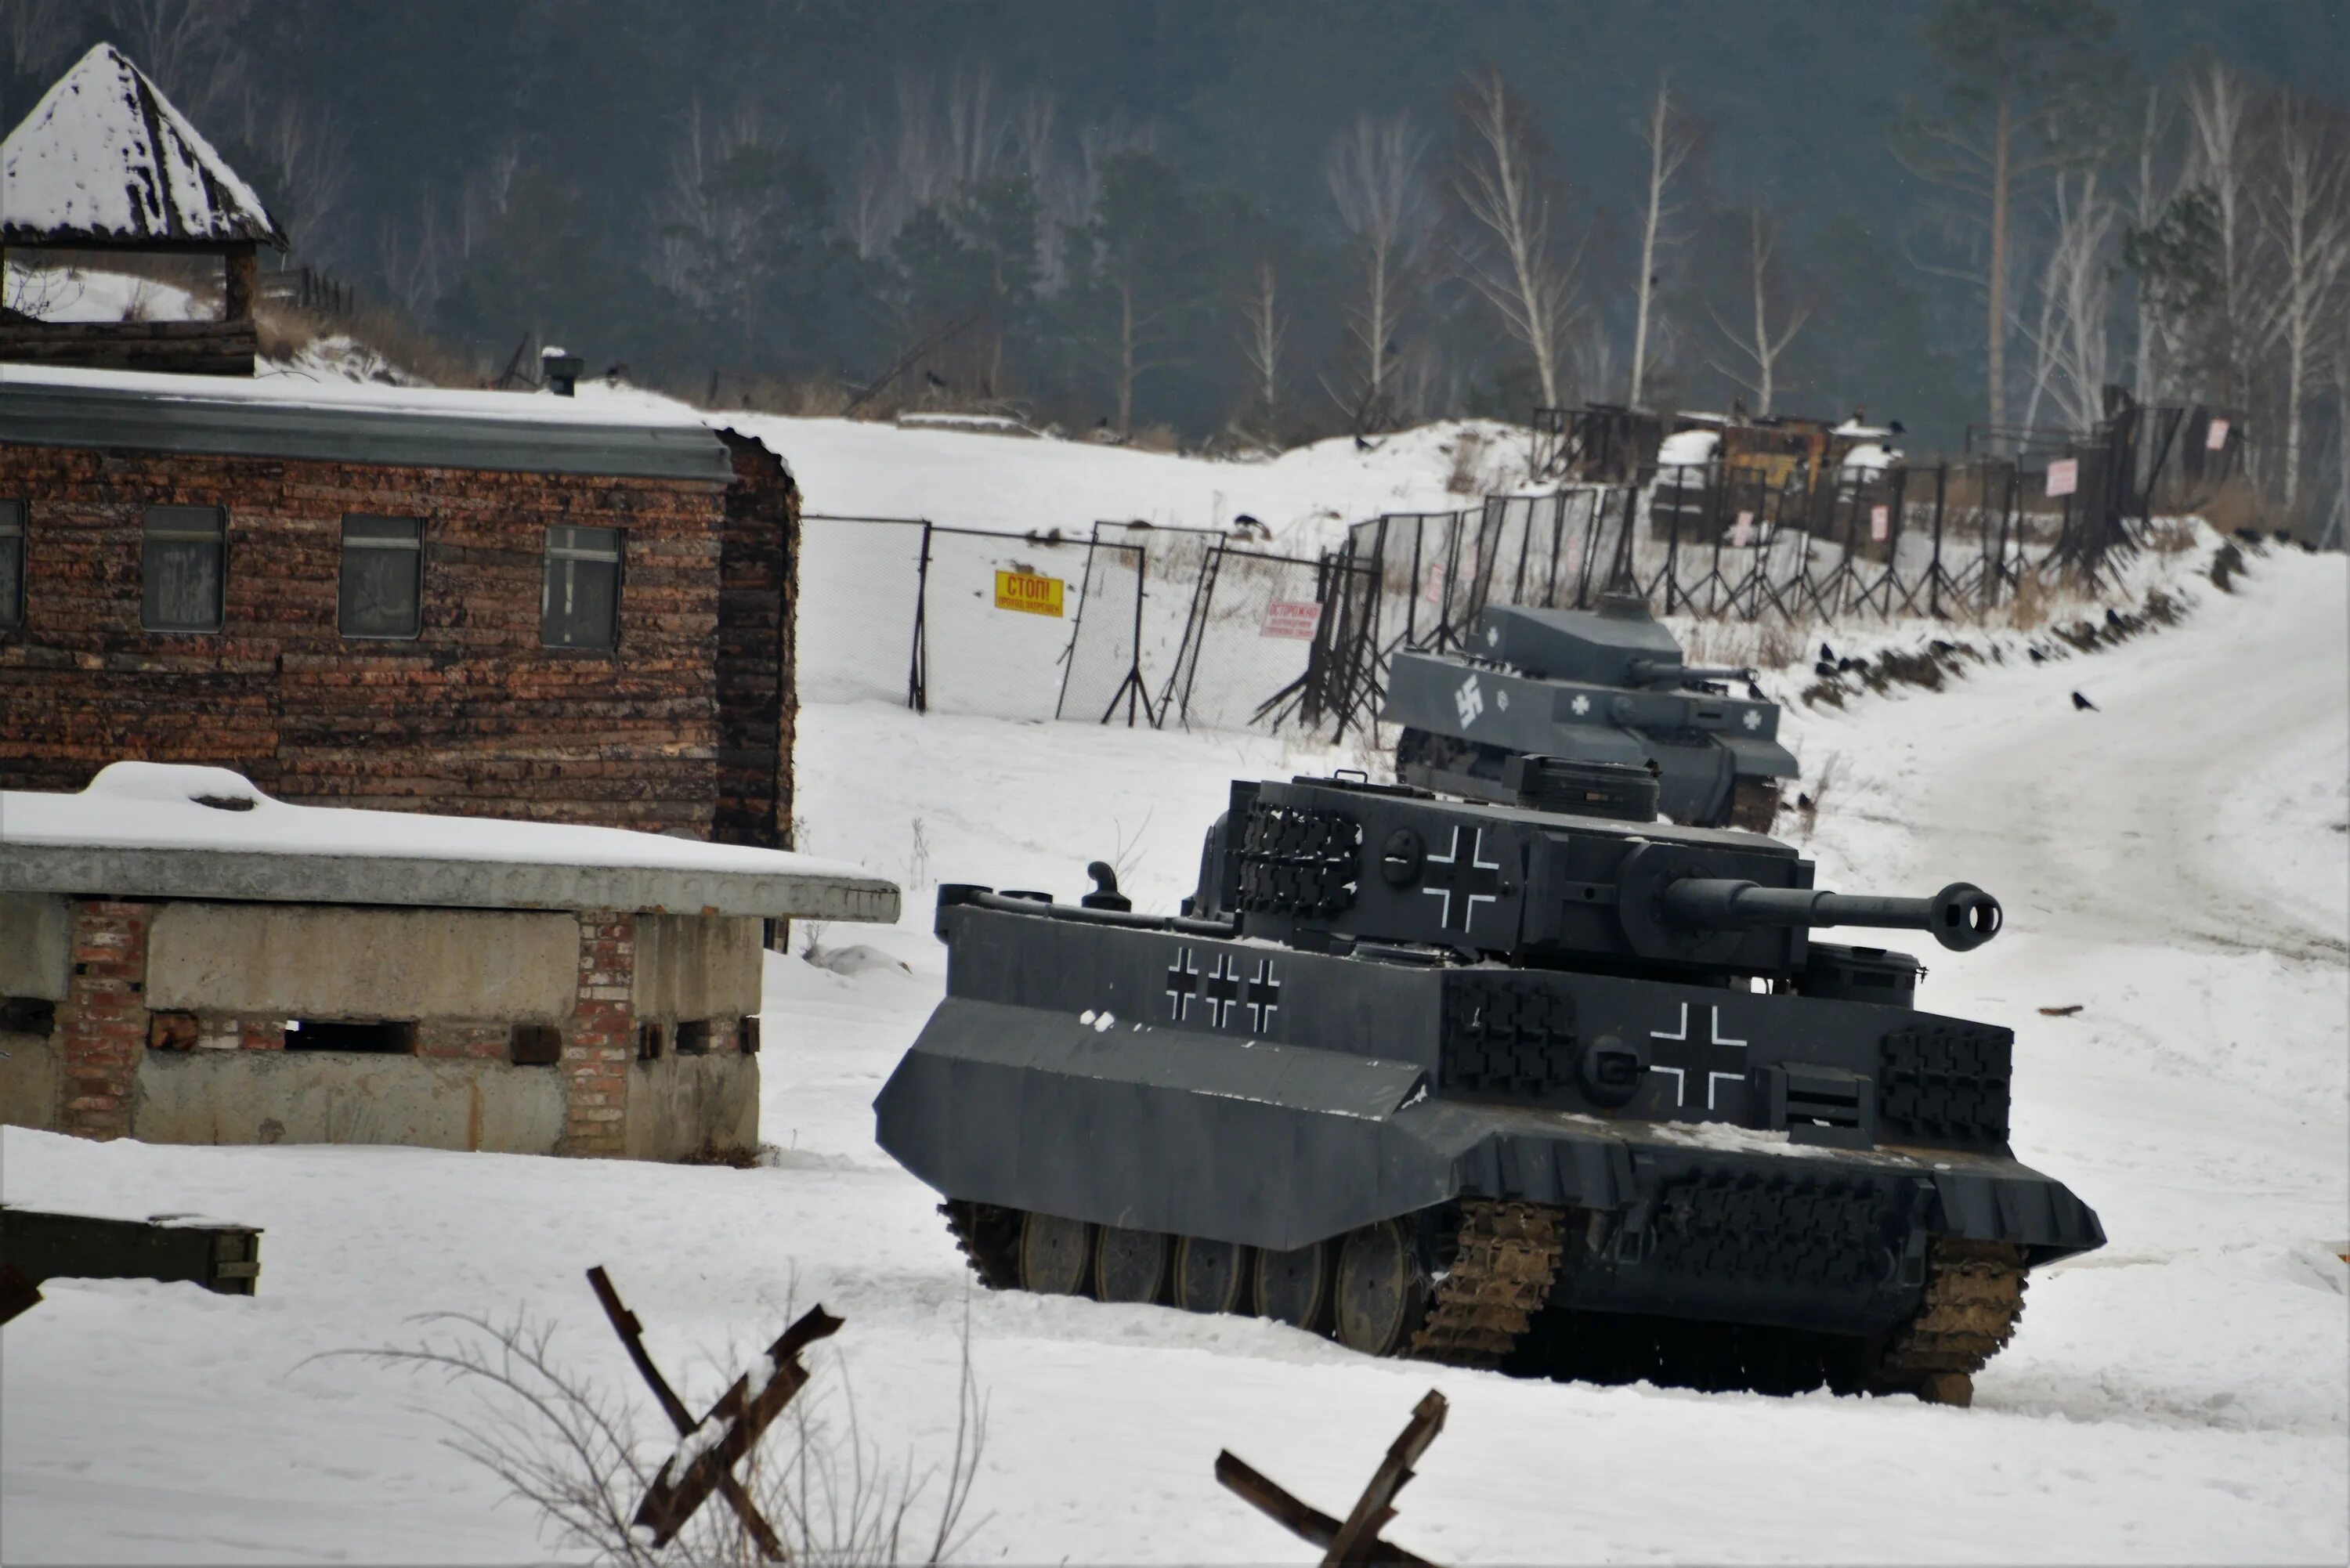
{"x":2176,"y":863}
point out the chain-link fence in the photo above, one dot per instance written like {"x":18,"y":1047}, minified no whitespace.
{"x":1148,"y":625}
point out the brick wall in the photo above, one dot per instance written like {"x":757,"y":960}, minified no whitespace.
{"x":474,"y":716}
{"x":102,"y":1026}
{"x":599,"y":1040}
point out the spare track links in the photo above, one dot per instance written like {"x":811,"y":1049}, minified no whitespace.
{"x":1507,"y":1259}
{"x":1974,"y":1294}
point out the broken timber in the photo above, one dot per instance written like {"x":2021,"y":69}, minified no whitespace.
{"x":171,"y":1248}
{"x":1356,"y":1539}
{"x":714,"y":1445}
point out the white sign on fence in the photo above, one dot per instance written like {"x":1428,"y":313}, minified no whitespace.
{"x":2215,"y":438}
{"x":1287,"y":617}
{"x":1431,"y":592}
{"x":1881,"y":522}
{"x":1742,"y":531}
{"x":2064,"y":476}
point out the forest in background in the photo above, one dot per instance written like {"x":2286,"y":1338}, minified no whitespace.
{"x":1244,"y":223}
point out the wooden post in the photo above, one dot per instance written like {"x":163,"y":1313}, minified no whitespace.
{"x":244,"y":274}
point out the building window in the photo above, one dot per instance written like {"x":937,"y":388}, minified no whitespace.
{"x":579,"y":600}
{"x":183,"y":568}
{"x":12,"y":563}
{"x":394,"y":1038}
{"x":383,"y":576}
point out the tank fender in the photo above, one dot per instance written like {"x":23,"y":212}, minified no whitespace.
{"x":2040,"y":1215}
{"x":1753,"y":757}
{"x":1160,"y":1130}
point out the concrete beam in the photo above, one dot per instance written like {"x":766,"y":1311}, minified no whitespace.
{"x":396,"y":880}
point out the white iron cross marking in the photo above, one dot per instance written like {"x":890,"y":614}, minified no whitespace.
{"x":1182,"y":978}
{"x":1469,"y":880}
{"x":1264,"y":996}
{"x":1582,"y":704}
{"x":1713,"y":1077}
{"x":1754,"y":719}
{"x":1469,"y":700}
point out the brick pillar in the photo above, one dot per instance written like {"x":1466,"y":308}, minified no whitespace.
{"x":102,"y":1027}
{"x":601,"y":1037}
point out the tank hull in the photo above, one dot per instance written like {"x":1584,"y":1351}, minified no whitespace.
{"x":1255,"y":1095}
{"x":1704,"y":745}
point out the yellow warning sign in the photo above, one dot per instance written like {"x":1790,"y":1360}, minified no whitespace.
{"x":1033,"y":595}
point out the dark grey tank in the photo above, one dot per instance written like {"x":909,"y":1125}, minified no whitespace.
{"x":1542,"y":1085}
{"x":1603,"y":686}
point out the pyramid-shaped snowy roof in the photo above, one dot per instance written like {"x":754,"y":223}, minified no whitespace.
{"x":105,"y":159}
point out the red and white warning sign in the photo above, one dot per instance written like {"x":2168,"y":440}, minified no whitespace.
{"x":1431,"y":590}
{"x":1288,"y":617}
{"x":1741,"y":533}
{"x":2215,"y":438}
{"x":1881,"y":523}
{"x":2064,"y":476}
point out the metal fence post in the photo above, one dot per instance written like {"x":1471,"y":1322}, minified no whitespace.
{"x":918,"y":696}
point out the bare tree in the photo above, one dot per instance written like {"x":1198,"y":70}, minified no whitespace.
{"x":1768,"y":292}
{"x":306,"y":144}
{"x":2303,"y":198}
{"x":2218,"y":116}
{"x":1518,"y":265}
{"x":2157,"y":182}
{"x":187,"y":46}
{"x":2339,"y":527}
{"x":35,"y":34}
{"x":1374,"y":171}
{"x":1670,"y":138}
{"x":1265,"y":337}
{"x":2071,"y":338}
{"x":2018,"y":81}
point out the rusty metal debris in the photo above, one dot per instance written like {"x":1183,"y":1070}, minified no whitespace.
{"x":2060,"y":1011}
{"x":1356,"y":1539}
{"x":706,"y":1463}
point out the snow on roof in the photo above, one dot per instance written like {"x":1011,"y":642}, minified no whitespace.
{"x":1685,"y":449}
{"x":292,"y":389}
{"x":104,"y":158}
{"x":169,"y":830}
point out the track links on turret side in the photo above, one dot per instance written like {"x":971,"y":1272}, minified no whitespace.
{"x":990,"y":1239}
{"x":1974,"y":1294}
{"x":1508,"y":1258}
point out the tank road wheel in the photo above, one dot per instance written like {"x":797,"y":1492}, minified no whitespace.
{"x":1208,"y":1274}
{"x":1754,"y":805}
{"x":1129,"y":1265}
{"x":1294,"y":1287}
{"x":1056,"y":1255}
{"x":1382,"y":1291}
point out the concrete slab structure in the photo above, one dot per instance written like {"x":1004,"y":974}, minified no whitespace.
{"x":183,"y":959}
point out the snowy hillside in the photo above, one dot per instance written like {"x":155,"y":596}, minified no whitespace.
{"x":2176,"y":863}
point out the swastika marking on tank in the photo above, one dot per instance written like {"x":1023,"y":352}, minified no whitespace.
{"x":1469,"y":702}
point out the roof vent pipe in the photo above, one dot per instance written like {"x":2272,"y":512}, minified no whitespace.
{"x":559,"y":370}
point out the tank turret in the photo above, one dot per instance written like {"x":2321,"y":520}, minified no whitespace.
{"x":1605,"y":686}
{"x":1508,"y":1083}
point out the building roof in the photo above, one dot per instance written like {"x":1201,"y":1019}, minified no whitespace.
{"x":171,"y":831}
{"x":294,"y":416}
{"x":105,"y":159}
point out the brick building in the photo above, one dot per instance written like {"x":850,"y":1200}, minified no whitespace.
{"x":503,"y":604}
{"x":184,"y":960}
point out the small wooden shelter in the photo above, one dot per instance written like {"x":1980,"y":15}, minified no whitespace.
{"x":104,"y":163}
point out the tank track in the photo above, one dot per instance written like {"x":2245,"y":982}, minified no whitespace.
{"x":1975,"y":1294}
{"x":1507,"y":1259}
{"x":989,"y":1238}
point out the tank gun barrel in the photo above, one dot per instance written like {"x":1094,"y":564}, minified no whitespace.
{"x":1961,"y":917}
{"x":1660,"y":671}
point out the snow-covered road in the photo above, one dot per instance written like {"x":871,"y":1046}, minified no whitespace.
{"x":2175,"y":864}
